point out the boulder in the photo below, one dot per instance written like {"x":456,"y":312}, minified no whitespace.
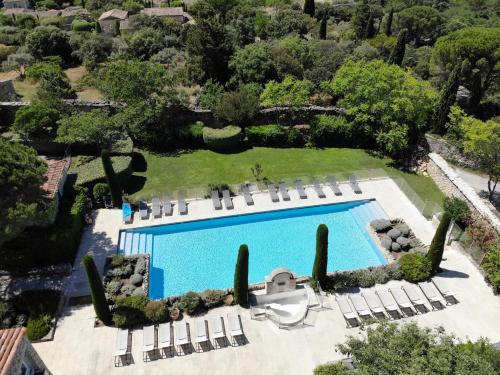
{"x":386,"y":242}
{"x":381,"y":225}
{"x":403,"y":241}
{"x":395,"y":247}
{"x":394,"y":233}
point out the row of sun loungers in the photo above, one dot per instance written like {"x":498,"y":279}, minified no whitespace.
{"x":167,"y":339}
{"x":408,"y":300}
{"x":157,"y":206}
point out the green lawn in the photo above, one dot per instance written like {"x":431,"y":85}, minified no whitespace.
{"x":155,"y":174}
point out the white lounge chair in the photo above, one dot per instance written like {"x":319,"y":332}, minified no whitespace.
{"x":227,"y":199}
{"x":300,"y":189}
{"x":181,"y":335}
{"x":354,"y":184}
{"x":148,"y":342}
{"x":217,"y":331}
{"x":334,"y":185}
{"x":345,"y":309}
{"x":216,"y":200}
{"x":432,"y":294}
{"x":181,"y":204}
{"x":143,"y":210}
{"x":402,"y":299}
{"x":373,"y":302}
{"x":156,"y":207}
{"x":318,"y":189}
{"x":235,"y":329}
{"x":165,"y":338}
{"x":416,"y":297}
{"x":284,"y":191}
{"x":444,"y":289}
{"x":167,"y":205}
{"x":122,"y":347}
{"x":360,"y":305}
{"x":247,"y":195}
{"x":201,"y":333}
{"x":390,"y":304}
{"x":272,"y":193}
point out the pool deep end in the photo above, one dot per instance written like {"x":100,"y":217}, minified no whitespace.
{"x":199,"y":255}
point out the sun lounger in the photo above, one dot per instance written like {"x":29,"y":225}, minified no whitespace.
{"x":415,"y":295}
{"x":431,"y":293}
{"x":373,"y":302}
{"x":389,"y":303}
{"x":182,"y":336}
{"x":164,"y":337}
{"x":402,"y":300}
{"x":235,"y":329}
{"x":247,"y":195}
{"x":360,"y":305}
{"x":354,"y":184}
{"x":201,"y":332}
{"x":155,"y":207}
{"x":122,"y":347}
{"x":216,"y":200}
{"x":143,"y":210}
{"x":127,"y":213}
{"x":181,"y":204}
{"x":300,"y":189}
{"x":444,"y":288}
{"x":148,"y":342}
{"x":335,"y":186}
{"x":284,"y":191}
{"x":227,"y":199}
{"x":167,"y":205}
{"x":318,"y":189}
{"x":272,"y":193}
{"x":217,"y":331}
{"x":346,"y":310}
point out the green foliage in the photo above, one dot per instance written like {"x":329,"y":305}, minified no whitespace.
{"x":38,"y":327}
{"x":436,"y":249}
{"x":211,"y":94}
{"x":80,"y":25}
{"x":190,"y":135}
{"x":156,"y":312}
{"x":360,"y":18}
{"x":322,"y":27}
{"x":25,"y":21}
{"x":225,"y":139}
{"x":54,"y":86}
{"x":332,"y":369}
{"x":333,"y":131}
{"x":273,"y":135}
{"x":321,"y":259}
{"x":96,"y":290}
{"x":491,"y":265}
{"x":5,"y":51}
{"x":385,"y":102}
{"x":130,"y":311}
{"x":415,"y":267}
{"x":241,"y":277}
{"x":145,"y":43}
{"x":364,"y":278}
{"x":239,"y":106}
{"x":37,"y":70}
{"x":446,"y":99}
{"x":48,"y":41}
{"x":398,"y":52}
{"x":288,"y":21}
{"x":289,"y":92}
{"x":99,"y":191}
{"x":18,"y":61}
{"x":55,"y":21}
{"x":191,"y":303}
{"x":91,"y":172}
{"x":388,"y":23}
{"x":111,"y":179}
{"x":21,"y":175}
{"x":36,"y":120}
{"x":309,"y":7}
{"x":424,"y":24}
{"x":457,"y":208}
{"x":370,"y":27}
{"x":213,"y":298}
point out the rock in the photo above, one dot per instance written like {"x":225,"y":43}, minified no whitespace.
{"x":404,"y":229}
{"x":404,"y":242}
{"x":381,"y":225}
{"x":136,"y":279}
{"x":394,"y":233}
{"x":138,"y":292}
{"x":395,"y":247}
{"x":386,"y":241}
{"x":463,"y":96}
{"x":127,"y":289}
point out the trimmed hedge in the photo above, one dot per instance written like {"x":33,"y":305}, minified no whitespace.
{"x":130,"y":311}
{"x":38,"y":327}
{"x":224,"y":139}
{"x":273,"y":135}
{"x":190,"y":135}
{"x":415,"y":267}
{"x":92,"y":172}
{"x":82,"y":25}
{"x":52,"y":21}
{"x":332,"y":131}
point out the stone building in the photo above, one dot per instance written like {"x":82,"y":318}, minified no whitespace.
{"x":17,"y":355}
{"x":11,"y":4}
{"x":109,"y":19}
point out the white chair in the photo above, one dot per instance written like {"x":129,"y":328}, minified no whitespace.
{"x":373,"y":302}
{"x":235,"y":329}
{"x":390,"y":304}
{"x":201,"y":333}
{"x":165,"y":338}
{"x":403,"y":302}
{"x":148,"y":342}
{"x":122,"y":347}
{"x":217,"y":331}
{"x":360,"y":305}
{"x":444,"y":289}
{"x":432,"y":294}
{"x":182,"y":336}
{"x":416,"y":297}
{"x":346,"y":310}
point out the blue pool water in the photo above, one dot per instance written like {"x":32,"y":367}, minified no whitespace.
{"x":201,"y":255}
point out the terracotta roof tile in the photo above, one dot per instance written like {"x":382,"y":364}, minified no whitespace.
{"x":55,"y":173}
{"x":10,"y":339}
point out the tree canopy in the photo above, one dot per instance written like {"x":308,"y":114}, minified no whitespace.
{"x":424,"y":24}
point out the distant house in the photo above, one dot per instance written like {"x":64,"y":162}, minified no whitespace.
{"x":17,"y":355}
{"x":70,"y":13}
{"x":177,"y":14}
{"x":15,"y":4}
{"x":13,"y":12}
{"x":47,"y":13}
{"x":109,"y":19}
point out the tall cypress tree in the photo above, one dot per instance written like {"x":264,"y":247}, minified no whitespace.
{"x":321,"y":258}
{"x":241,"y":277}
{"x":370,"y":27}
{"x":113,"y":184}
{"x":398,"y":52}
{"x":446,"y":99}
{"x":435,"y":253}
{"x":322,"y":27}
{"x":360,"y":18}
{"x":309,"y":7}
{"x":388,"y":24}
{"x":101,"y":306}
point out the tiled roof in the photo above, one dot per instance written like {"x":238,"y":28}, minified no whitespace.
{"x":48,"y":13}
{"x":10,"y":339}
{"x":164,"y":12}
{"x":114,"y":13}
{"x":55,"y":173}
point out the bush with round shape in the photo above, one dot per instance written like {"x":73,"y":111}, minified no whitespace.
{"x":99,"y":191}
{"x":393,"y":271}
{"x":38,"y":327}
{"x":157,"y":311}
{"x":336,"y":368}
{"x":415,"y":267}
{"x":191,"y":303}
{"x":404,"y":242}
{"x":136,"y":279}
{"x":113,"y":287}
{"x":82,"y":25}
{"x":395,"y":247}
{"x":129,"y":311}
{"x":213,"y":298}
{"x":381,"y":225}
{"x":457,"y":208}
{"x":386,"y":242}
{"x":224,"y":139}
{"x":364,"y":278}
{"x":394,"y":233}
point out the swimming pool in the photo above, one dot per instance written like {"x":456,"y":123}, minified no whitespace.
{"x":199,"y":255}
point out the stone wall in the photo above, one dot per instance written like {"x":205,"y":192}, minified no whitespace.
{"x":7,"y":91}
{"x":27,"y":354}
{"x":453,"y":186}
{"x":450,"y":152}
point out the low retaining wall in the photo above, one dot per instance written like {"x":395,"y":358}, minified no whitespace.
{"x":450,"y":152}
{"x":453,"y":186}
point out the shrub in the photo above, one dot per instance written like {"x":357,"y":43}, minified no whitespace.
{"x":123,"y":146}
{"x":241,"y":276}
{"x":225,"y":139}
{"x":213,"y":298}
{"x":96,"y":290}
{"x":191,"y":303}
{"x":190,"y":135}
{"x":52,"y":21}
{"x":491,"y":265}
{"x":267,"y":135}
{"x":136,"y":279}
{"x":331,"y":131}
{"x":5,"y":51}
{"x":113,"y":287}
{"x":321,"y":258}
{"x":436,"y":249}
{"x":393,"y":271}
{"x":457,"y":208}
{"x":127,"y":289}
{"x":117,"y":261}
{"x":141,"y":266}
{"x":99,"y":191}
{"x":157,"y":311}
{"x":415,"y":267}
{"x":332,"y":369}
{"x":37,"y":70}
{"x":130,"y":311}
{"x":111,"y":179}
{"x":381,"y":225}
{"x":38,"y":327}
{"x":82,"y":25}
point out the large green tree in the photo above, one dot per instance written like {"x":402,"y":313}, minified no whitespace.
{"x":289,"y":92}
{"x":101,"y":306}
{"x":398,"y":52}
{"x":447,"y":98}
{"x":45,"y":41}
{"x":36,"y":120}
{"x":385,"y":102}
{"x":241,"y":277}
{"x":239,"y":106}
{"x":424,"y":24}
{"x":54,"y":86}
{"x":360,"y":18}
{"x":21,"y":175}
{"x":253,"y":63}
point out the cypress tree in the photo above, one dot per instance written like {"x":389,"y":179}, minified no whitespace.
{"x":435,"y":253}
{"x":113,"y":184}
{"x":101,"y":306}
{"x":446,"y":100}
{"x":241,"y":277}
{"x":322,"y":27}
{"x":388,"y":24}
{"x":360,"y":18}
{"x":116,"y":27}
{"x":98,"y":29}
{"x":321,"y":258}
{"x":309,"y":7}
{"x":398,"y":52}
{"x":370,"y":27}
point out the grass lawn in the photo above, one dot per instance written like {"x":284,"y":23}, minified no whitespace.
{"x":156,"y":174}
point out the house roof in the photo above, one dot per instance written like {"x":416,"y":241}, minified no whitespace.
{"x":74,"y":11}
{"x":164,"y":12}
{"x":47,"y":13}
{"x":17,"y":11}
{"x":114,"y":13}
{"x":56,"y":169}
{"x":10,"y":340}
